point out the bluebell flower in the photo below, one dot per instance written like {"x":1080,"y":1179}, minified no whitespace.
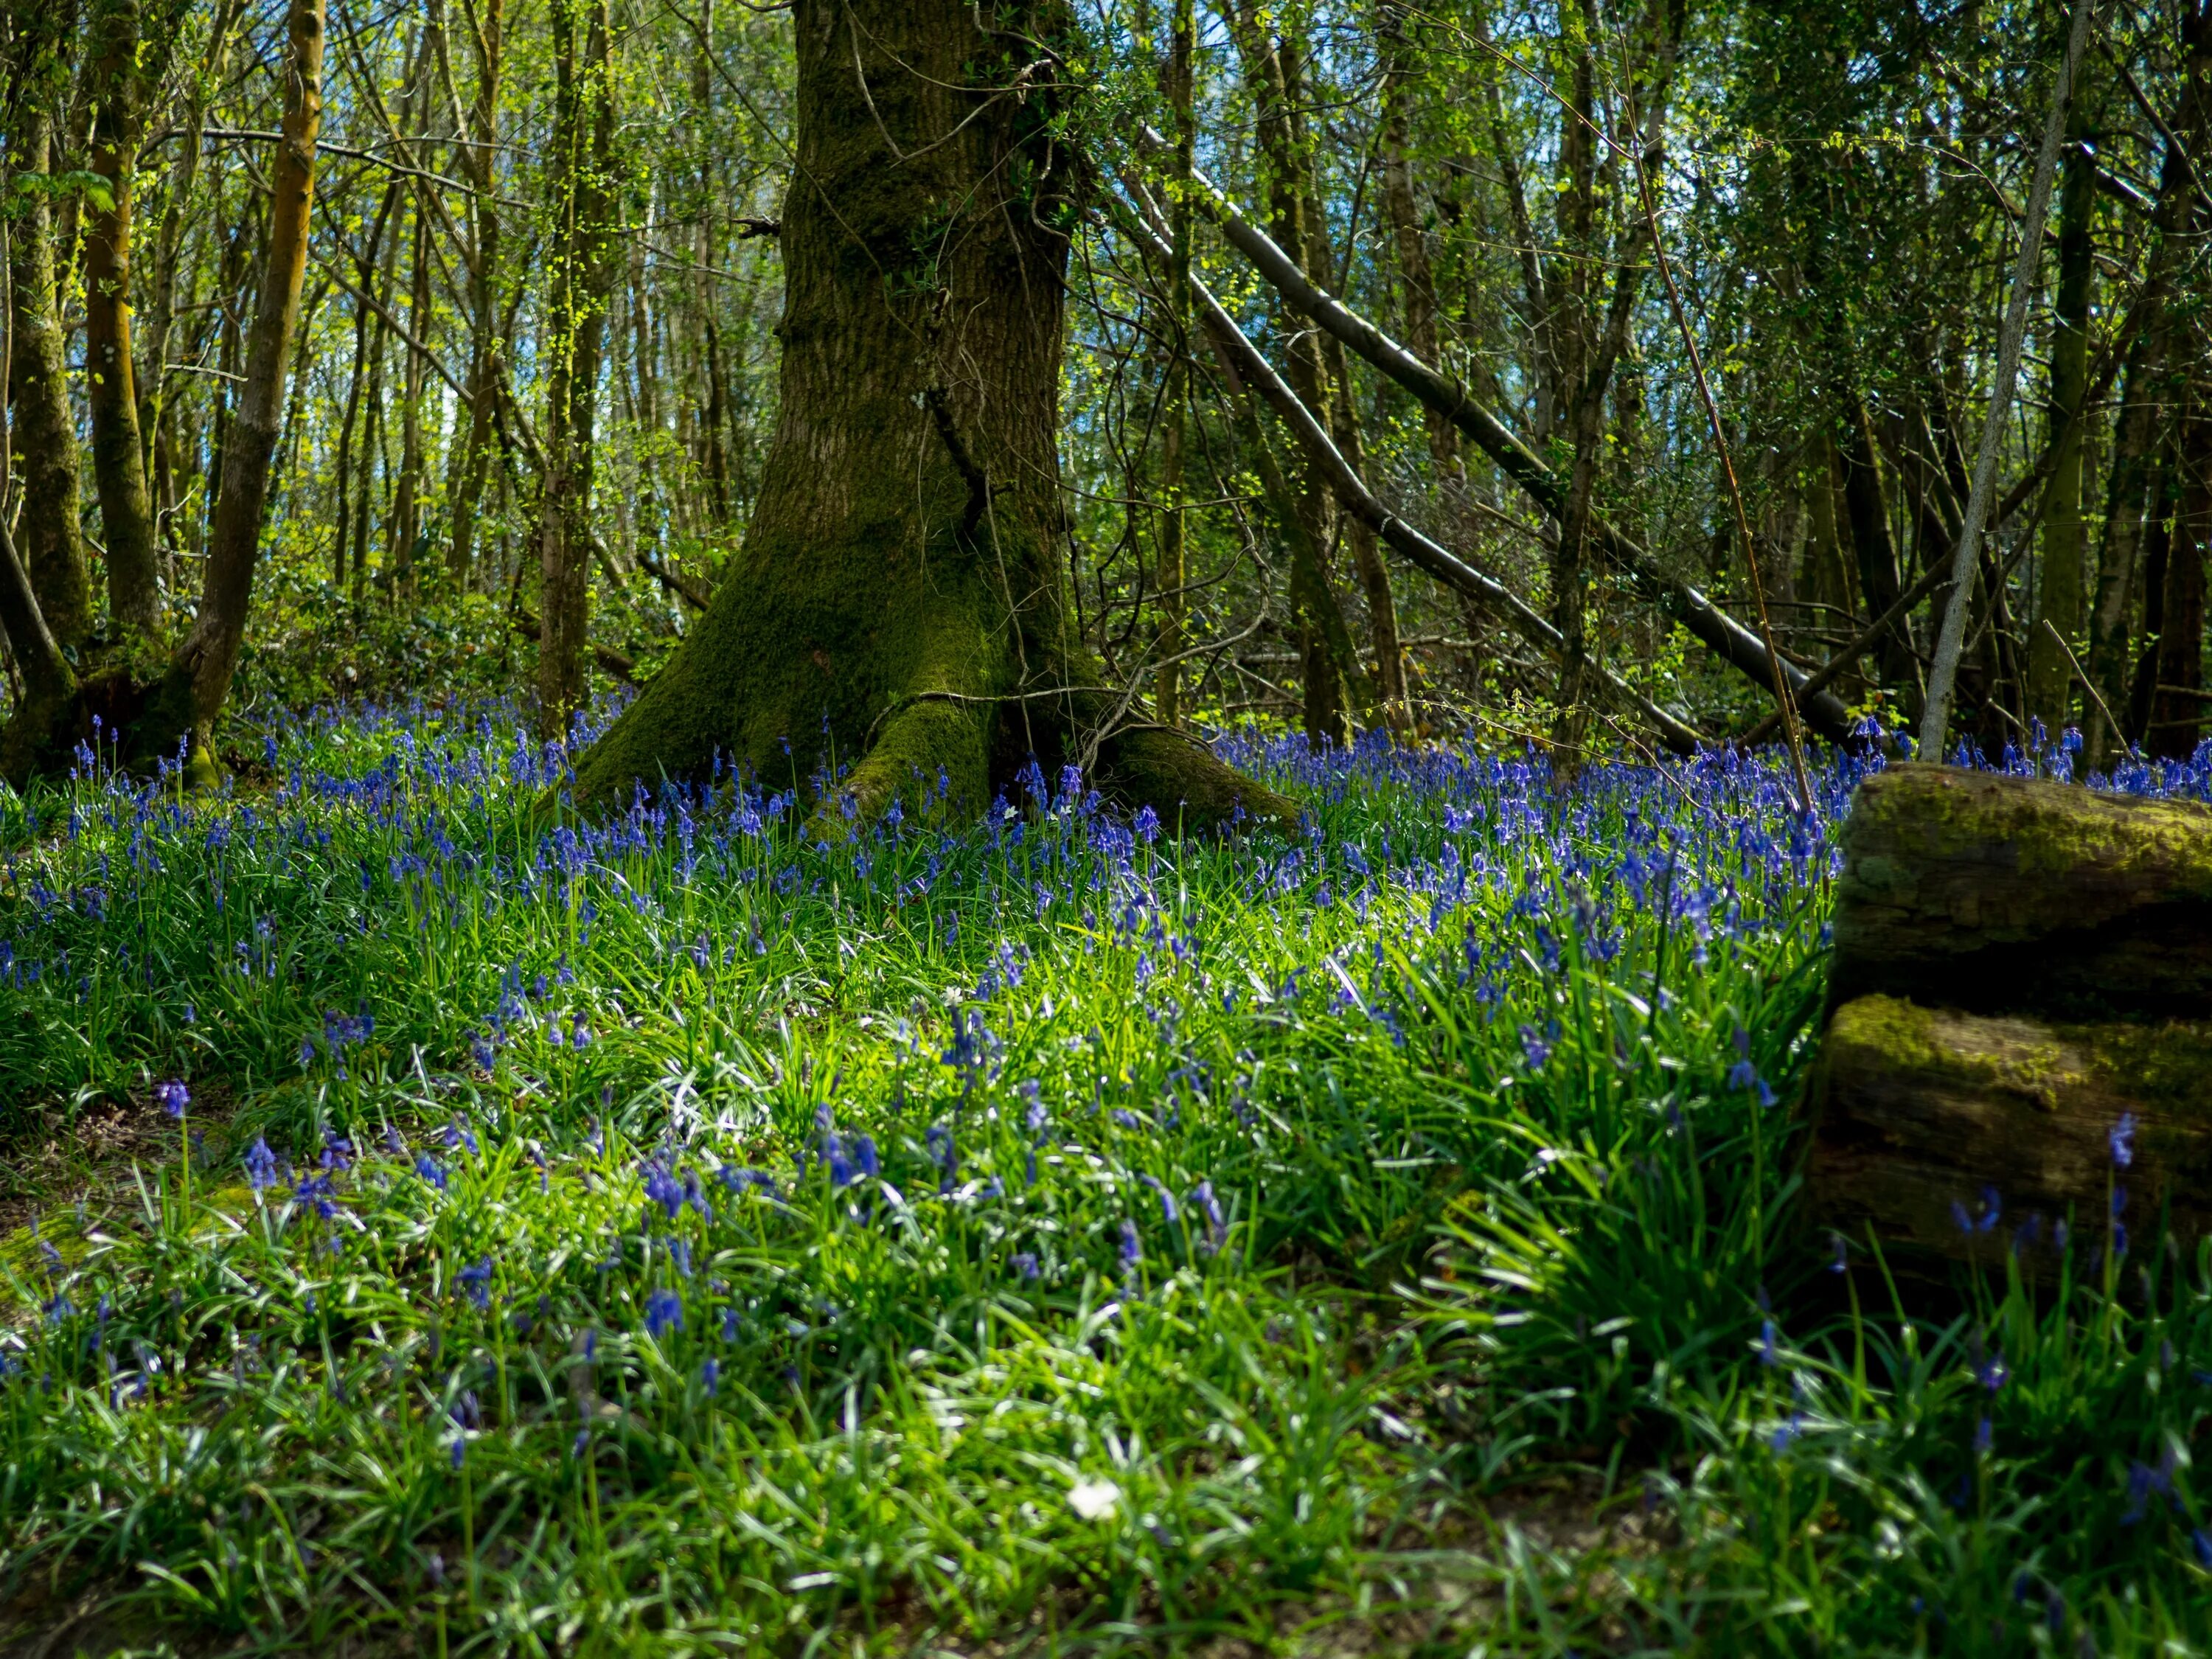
{"x":664,"y":1312}
{"x":1169,"y":1213}
{"x":260,"y":1165}
{"x":475,"y":1283}
{"x":1985,"y":1435}
{"x":1770,"y":1353}
{"x":1146,"y":824}
{"x":1132,"y":1248}
{"x":663,"y":1188}
{"x":431,"y":1170}
{"x":1534,"y":1048}
{"x":173,"y":1097}
{"x":1025,"y":1263}
{"x":2123,"y":1140}
{"x":864,"y":1158}
{"x":1217,"y":1224}
{"x":710,"y":1376}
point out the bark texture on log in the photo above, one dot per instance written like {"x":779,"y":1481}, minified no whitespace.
{"x":1969,"y":1134}
{"x":1996,"y":894}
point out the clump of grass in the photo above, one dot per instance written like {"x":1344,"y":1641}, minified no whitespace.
{"x":689,"y":1231}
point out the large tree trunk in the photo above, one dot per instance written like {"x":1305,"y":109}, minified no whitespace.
{"x":193,"y":692}
{"x":45,"y":432}
{"x":901,"y":598}
{"x":119,"y":461}
{"x":583,"y":141}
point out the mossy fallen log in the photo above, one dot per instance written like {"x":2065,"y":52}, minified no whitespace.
{"x":1975,"y":891}
{"x":1969,"y":1134}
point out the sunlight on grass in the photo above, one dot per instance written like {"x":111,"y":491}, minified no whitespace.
{"x":676,"y":1234}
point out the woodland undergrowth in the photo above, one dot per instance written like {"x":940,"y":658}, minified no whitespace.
{"x":693,"y":1231}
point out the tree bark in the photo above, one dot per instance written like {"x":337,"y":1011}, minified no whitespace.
{"x":1271,"y":73}
{"x":583,"y":144}
{"x":2049,"y":674}
{"x":45,"y":431}
{"x":473,"y":462}
{"x":2177,"y":704}
{"x":1998,"y":893}
{"x":118,"y":468}
{"x":2129,"y":500}
{"x":407,"y":496}
{"x":901,"y":598}
{"x":193,"y":692}
{"x":1970,"y":1136}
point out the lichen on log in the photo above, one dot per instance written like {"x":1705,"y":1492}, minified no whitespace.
{"x":1978,"y":890}
{"x":1969,"y":1134}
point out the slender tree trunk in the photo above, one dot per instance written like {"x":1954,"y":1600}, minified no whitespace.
{"x":365,"y":267}
{"x":407,"y":506}
{"x":198,"y":680}
{"x":1167,"y":680}
{"x":1271,"y":70}
{"x":487,"y":369}
{"x":119,"y":462}
{"x":45,"y":431}
{"x":2177,"y":704}
{"x":2129,"y":499}
{"x":2050,"y":675}
{"x":902,"y":596}
{"x":583,"y":141}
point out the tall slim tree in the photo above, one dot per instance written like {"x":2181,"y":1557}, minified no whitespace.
{"x":45,"y":429}
{"x":487,"y":372}
{"x":193,"y":692}
{"x":575,"y":315}
{"x":119,"y":465}
{"x":2050,"y":672}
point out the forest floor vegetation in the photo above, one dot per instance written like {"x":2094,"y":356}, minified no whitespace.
{"x":690,"y":1232}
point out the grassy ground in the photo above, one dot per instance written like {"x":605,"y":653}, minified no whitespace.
{"x":694,"y":1234}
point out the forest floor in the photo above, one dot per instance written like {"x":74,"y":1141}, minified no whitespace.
{"x":693,"y":1234}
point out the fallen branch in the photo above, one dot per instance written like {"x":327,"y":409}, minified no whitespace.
{"x":1730,"y":639}
{"x":1437,"y":560}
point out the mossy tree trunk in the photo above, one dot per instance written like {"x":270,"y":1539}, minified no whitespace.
{"x":52,"y":542}
{"x":119,"y":460}
{"x":191,"y":691}
{"x":576,"y":307}
{"x":900,"y":604}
